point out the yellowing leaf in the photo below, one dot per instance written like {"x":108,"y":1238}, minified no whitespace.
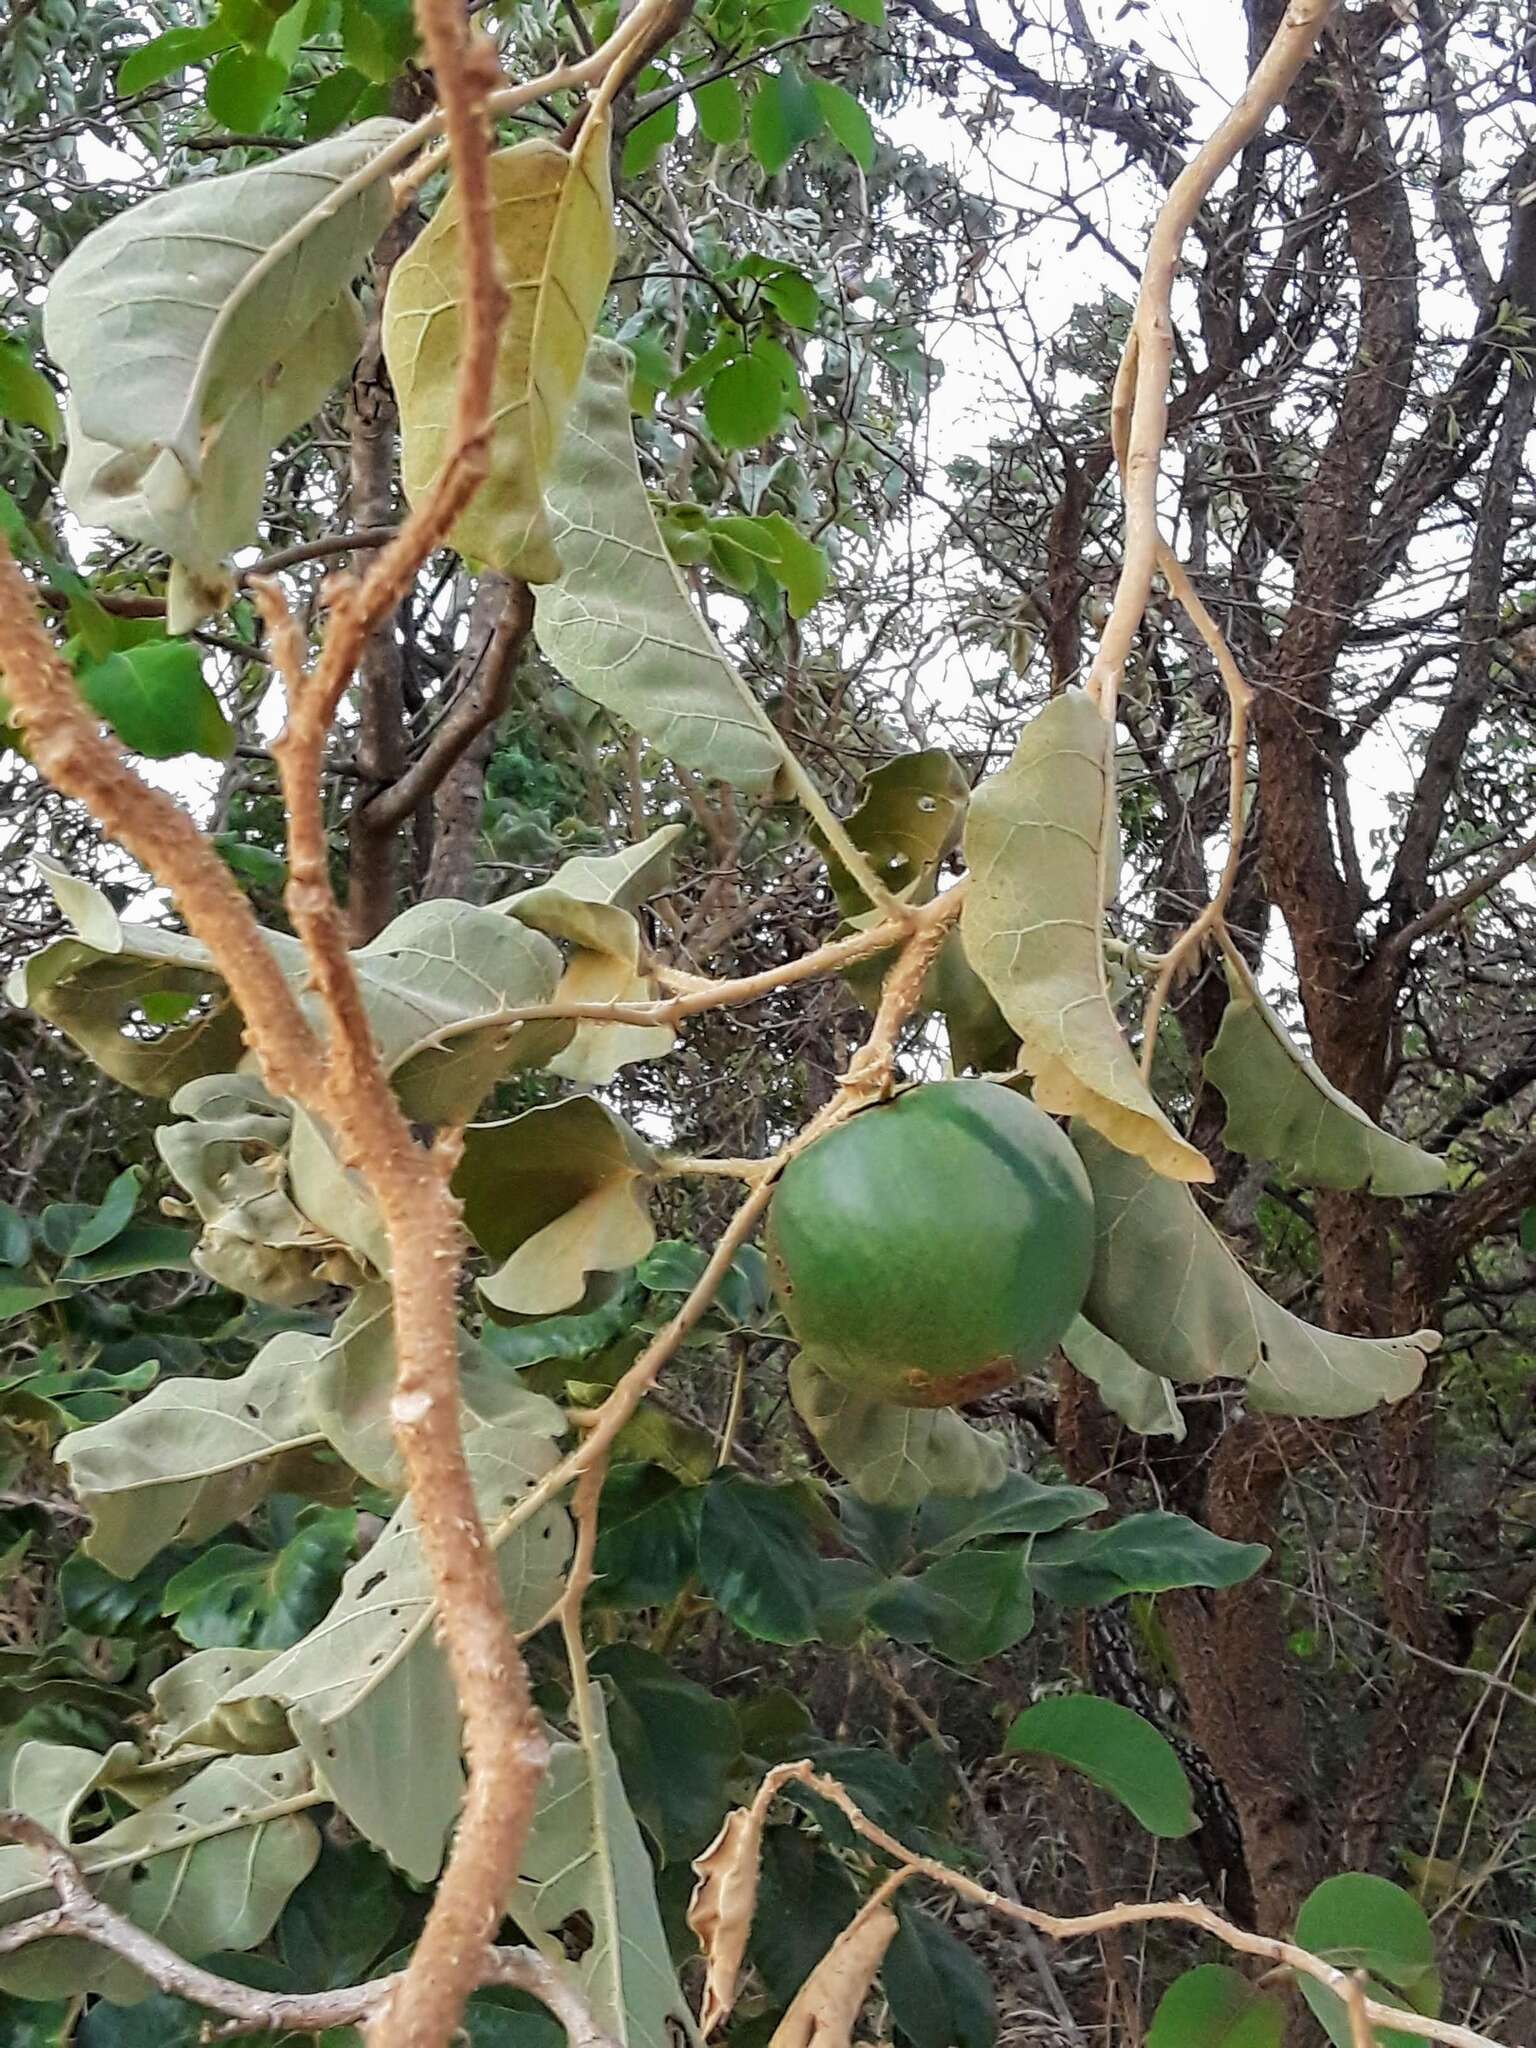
{"x":1039,"y":842}
{"x":554,"y":238}
{"x":894,"y":1457}
{"x":1166,"y":1289}
{"x":1283,"y":1108}
{"x":620,"y":625}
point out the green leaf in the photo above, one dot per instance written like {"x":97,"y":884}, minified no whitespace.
{"x":234,"y":1597}
{"x":178,"y":391}
{"x":721,"y":110}
{"x":1038,"y":843}
{"x":907,"y":822}
{"x":647,"y":139}
{"x":1216,"y":2007}
{"x":553,"y":220}
{"x":796,"y":564}
{"x":1018,"y":1506}
{"x":164,"y":54}
{"x":341,"y":1919}
{"x":187,"y":1697}
{"x":745,"y":402}
{"x":675,"y":1743}
{"x":891,"y":1456}
{"x":207,"y":1868}
{"x":554,"y":1195}
{"x":1166,"y":1289}
{"x":620,"y":625}
{"x":110,"y":1217}
{"x":156,"y":701}
{"x":99,"y":1603}
{"x":872,"y":11}
{"x":191,"y":1457}
{"x":845,"y":118}
{"x":970,"y":1606}
{"x":378,"y":36}
{"x":785,"y":115}
{"x":140,"y":1248}
{"x":15,"y":1236}
{"x":585,"y":1855}
{"x":805,"y":1899}
{"x":1144,"y":1402}
{"x":34,"y":2023}
{"x":25,"y":393}
{"x":1365,"y":1923}
{"x":647,"y":1537}
{"x":938,"y":1993}
{"x":1147,"y":1553}
{"x":1117,"y":1749}
{"x":332,"y":101}
{"x":744,"y":1298}
{"x":757,"y":1561}
{"x":1282,"y":1108}
{"x":244,"y":88}
{"x":789,"y":291}
{"x":20,"y":1297}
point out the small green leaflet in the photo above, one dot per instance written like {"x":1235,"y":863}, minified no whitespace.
{"x":721,"y":111}
{"x":26,"y":396}
{"x":785,"y":114}
{"x":846,"y":121}
{"x":155,"y":699}
{"x":647,"y":139}
{"x":1118,"y":1750}
{"x":164,"y":54}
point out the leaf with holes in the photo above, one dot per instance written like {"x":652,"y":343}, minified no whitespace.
{"x":890,"y":1456}
{"x":1166,"y":1289}
{"x":1039,"y":843}
{"x":909,"y":817}
{"x":1282,"y":1108}
{"x":620,"y":625}
{"x":552,"y":215}
{"x":554,"y":1195}
{"x":197,"y":331}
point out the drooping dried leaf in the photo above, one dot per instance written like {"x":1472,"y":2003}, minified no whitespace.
{"x":890,"y":1456}
{"x":827,"y":2006}
{"x":192,"y":351}
{"x":590,"y":903}
{"x":553,"y":225}
{"x":1281,"y":1107}
{"x":620,"y":625}
{"x":1167,"y":1291}
{"x":1039,"y":841}
{"x":555,"y":1194}
{"x":721,"y":1908}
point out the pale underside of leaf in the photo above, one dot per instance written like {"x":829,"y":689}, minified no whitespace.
{"x":1144,"y":1402}
{"x":1038,"y":841}
{"x":586,"y":1855}
{"x":1167,"y":1290}
{"x":208,"y":1867}
{"x":890,"y":1456}
{"x":620,"y":625}
{"x":553,"y":224}
{"x":1281,"y":1107}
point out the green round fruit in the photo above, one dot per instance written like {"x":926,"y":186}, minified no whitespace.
{"x":932,"y":1249}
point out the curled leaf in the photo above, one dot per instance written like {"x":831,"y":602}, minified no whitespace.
{"x":620,"y":625}
{"x":1283,"y":1108}
{"x":828,"y":2003}
{"x":1040,"y":844}
{"x":721,"y":1908}
{"x":553,"y":225}
{"x":197,"y":331}
{"x":890,"y":1456}
{"x":1166,"y":1289}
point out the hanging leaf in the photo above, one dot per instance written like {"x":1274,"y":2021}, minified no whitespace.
{"x":197,"y":331}
{"x":585,"y":1855}
{"x":192,"y":1456}
{"x":1167,"y":1290}
{"x":757,"y":1561}
{"x":207,"y":1868}
{"x":846,"y":121}
{"x":720,"y":1911}
{"x":1020,"y":1506}
{"x":1117,"y":1750}
{"x":908,"y":819}
{"x":647,"y":1537}
{"x":785,"y":115}
{"x":553,"y":1195}
{"x":939,"y":1995}
{"x":827,"y":2006}
{"x":620,"y":625}
{"x":243,"y":89}
{"x":1365,"y":1923}
{"x":553,"y":224}
{"x":188,"y":1696}
{"x":232,"y":1596}
{"x":26,"y":396}
{"x":1282,"y":1108}
{"x":1039,"y":841}
{"x":155,"y":699}
{"x":970,"y":1606}
{"x":1144,"y":1402}
{"x":675,"y":1743}
{"x":590,"y":903}
{"x":1216,"y":2007}
{"x":370,"y":1685}
{"x":721,"y":111}
{"x":890,"y":1456}
{"x":1146,"y":1553}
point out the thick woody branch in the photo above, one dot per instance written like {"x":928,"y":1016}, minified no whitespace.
{"x":79,"y":1912}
